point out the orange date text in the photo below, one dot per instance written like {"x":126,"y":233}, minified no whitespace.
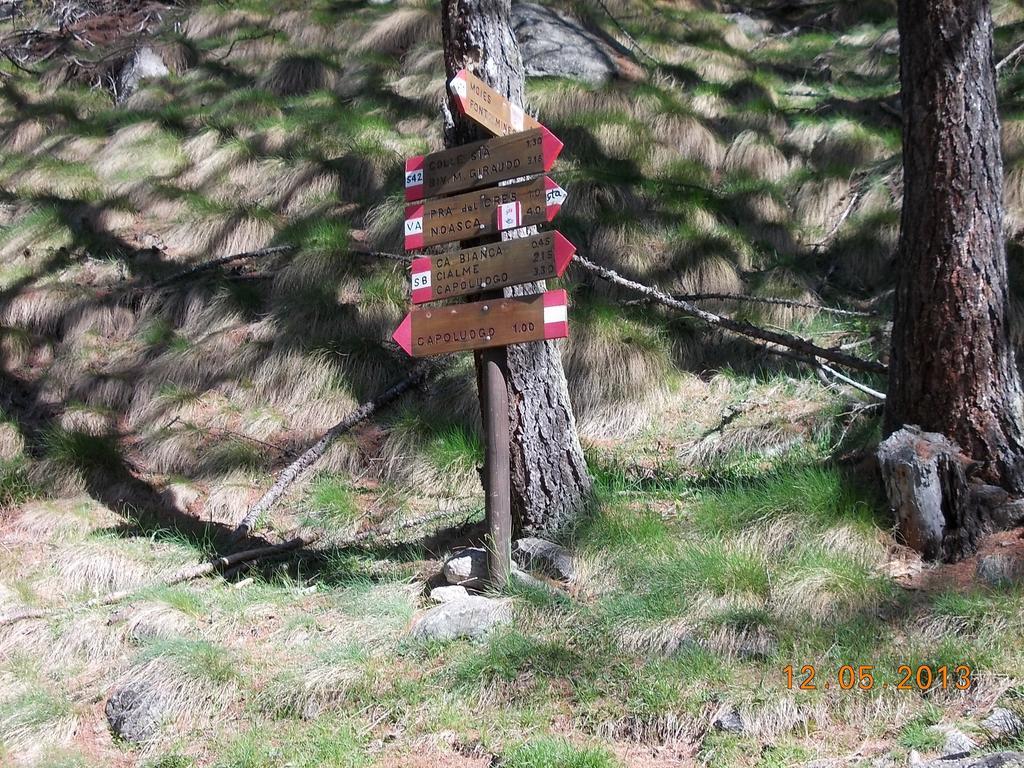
{"x":862,"y":677}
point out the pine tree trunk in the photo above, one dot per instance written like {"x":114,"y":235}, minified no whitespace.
{"x":952,"y":368}
{"x":550,"y":483}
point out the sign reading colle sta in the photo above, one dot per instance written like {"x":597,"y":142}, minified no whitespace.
{"x":481,"y":164}
{"x":485,"y":212}
{"x":485,"y":106}
{"x":428,"y":331}
{"x":490,"y":267}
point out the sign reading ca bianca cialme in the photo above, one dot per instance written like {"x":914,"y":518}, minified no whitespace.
{"x":491,"y":266}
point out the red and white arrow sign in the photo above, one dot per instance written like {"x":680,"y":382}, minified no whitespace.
{"x":491,"y":266}
{"x":486,"y":212}
{"x":481,"y":164}
{"x":428,"y":331}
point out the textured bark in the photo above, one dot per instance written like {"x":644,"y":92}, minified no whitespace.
{"x":940,"y":511}
{"x":550,"y":484}
{"x":952,"y":368}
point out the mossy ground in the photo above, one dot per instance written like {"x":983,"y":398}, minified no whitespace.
{"x":731,"y":538}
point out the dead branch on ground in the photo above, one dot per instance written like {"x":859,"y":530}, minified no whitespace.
{"x":743,"y":328}
{"x":319,"y":448}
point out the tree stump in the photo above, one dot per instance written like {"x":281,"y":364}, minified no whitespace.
{"x":940,"y":511}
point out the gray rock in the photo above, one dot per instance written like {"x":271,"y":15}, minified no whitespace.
{"x":448,"y":594}
{"x":473,"y":617}
{"x":554,"y":44}
{"x":1008,"y":515}
{"x":1003,"y":722}
{"x":998,"y":570}
{"x":729,"y":720}
{"x":533,"y":554}
{"x":995,"y":760}
{"x":134,"y":713}
{"x":143,"y":64}
{"x":467,"y":567}
{"x":957,"y":742}
{"x":753,"y":28}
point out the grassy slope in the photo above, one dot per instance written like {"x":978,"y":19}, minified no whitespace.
{"x":723,"y":548}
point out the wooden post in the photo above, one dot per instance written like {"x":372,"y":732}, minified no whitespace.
{"x":497,"y":473}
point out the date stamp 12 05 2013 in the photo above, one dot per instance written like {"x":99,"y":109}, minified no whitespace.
{"x":866,"y":677}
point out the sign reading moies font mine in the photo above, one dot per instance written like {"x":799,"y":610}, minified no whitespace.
{"x":430,"y":331}
{"x":491,"y":266}
{"x":485,"y":106}
{"x":486,"y":212}
{"x":481,"y":164}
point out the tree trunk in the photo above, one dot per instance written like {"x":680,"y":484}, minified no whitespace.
{"x":550,"y":484}
{"x":952,"y":368}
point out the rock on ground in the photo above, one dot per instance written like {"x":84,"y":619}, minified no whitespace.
{"x":448,"y":594}
{"x":133,"y":713}
{"x":473,"y":617}
{"x":1003,"y":722}
{"x":729,"y":720}
{"x":143,"y":64}
{"x":467,"y":567}
{"x":957,"y":742}
{"x":554,"y":44}
{"x":533,"y":554}
{"x":999,"y":570}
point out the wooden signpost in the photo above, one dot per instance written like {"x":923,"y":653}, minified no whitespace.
{"x":427,"y":331}
{"x":452,"y":207}
{"x":488,"y":108}
{"x":490,"y":267}
{"x":481,"y":164}
{"x":484,"y":212}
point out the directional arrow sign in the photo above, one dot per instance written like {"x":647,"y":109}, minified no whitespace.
{"x":486,"y":212}
{"x":489,"y":267}
{"x":484,"y":105}
{"x":481,"y":164}
{"x":430,"y":331}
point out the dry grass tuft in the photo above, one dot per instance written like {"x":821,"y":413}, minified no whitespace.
{"x":97,"y":568}
{"x":619,"y":375}
{"x":1013,"y":196}
{"x":142,"y":150}
{"x":298,"y":75}
{"x":215,"y":21}
{"x":399,"y":31}
{"x":590,"y":198}
{"x":687,"y":138}
{"x":751,"y":153}
{"x":707,"y":267}
{"x":848,"y":144}
{"x":711,"y":65}
{"x":818,"y":204}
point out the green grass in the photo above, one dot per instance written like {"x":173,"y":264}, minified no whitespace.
{"x":550,"y":752}
{"x":332,"y":501}
{"x":320,"y":744}
{"x":16,"y":487}
{"x":199,"y":659}
{"x":83,"y":451}
{"x":455,"y":447}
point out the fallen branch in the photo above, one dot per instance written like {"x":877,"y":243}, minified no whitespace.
{"x":740,"y":327}
{"x":1010,"y":57}
{"x":626,"y":33}
{"x":187,"y":574}
{"x":747,"y":298}
{"x":855,"y":384}
{"x":222,"y":564}
{"x":220,"y":261}
{"x":319,"y":448}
